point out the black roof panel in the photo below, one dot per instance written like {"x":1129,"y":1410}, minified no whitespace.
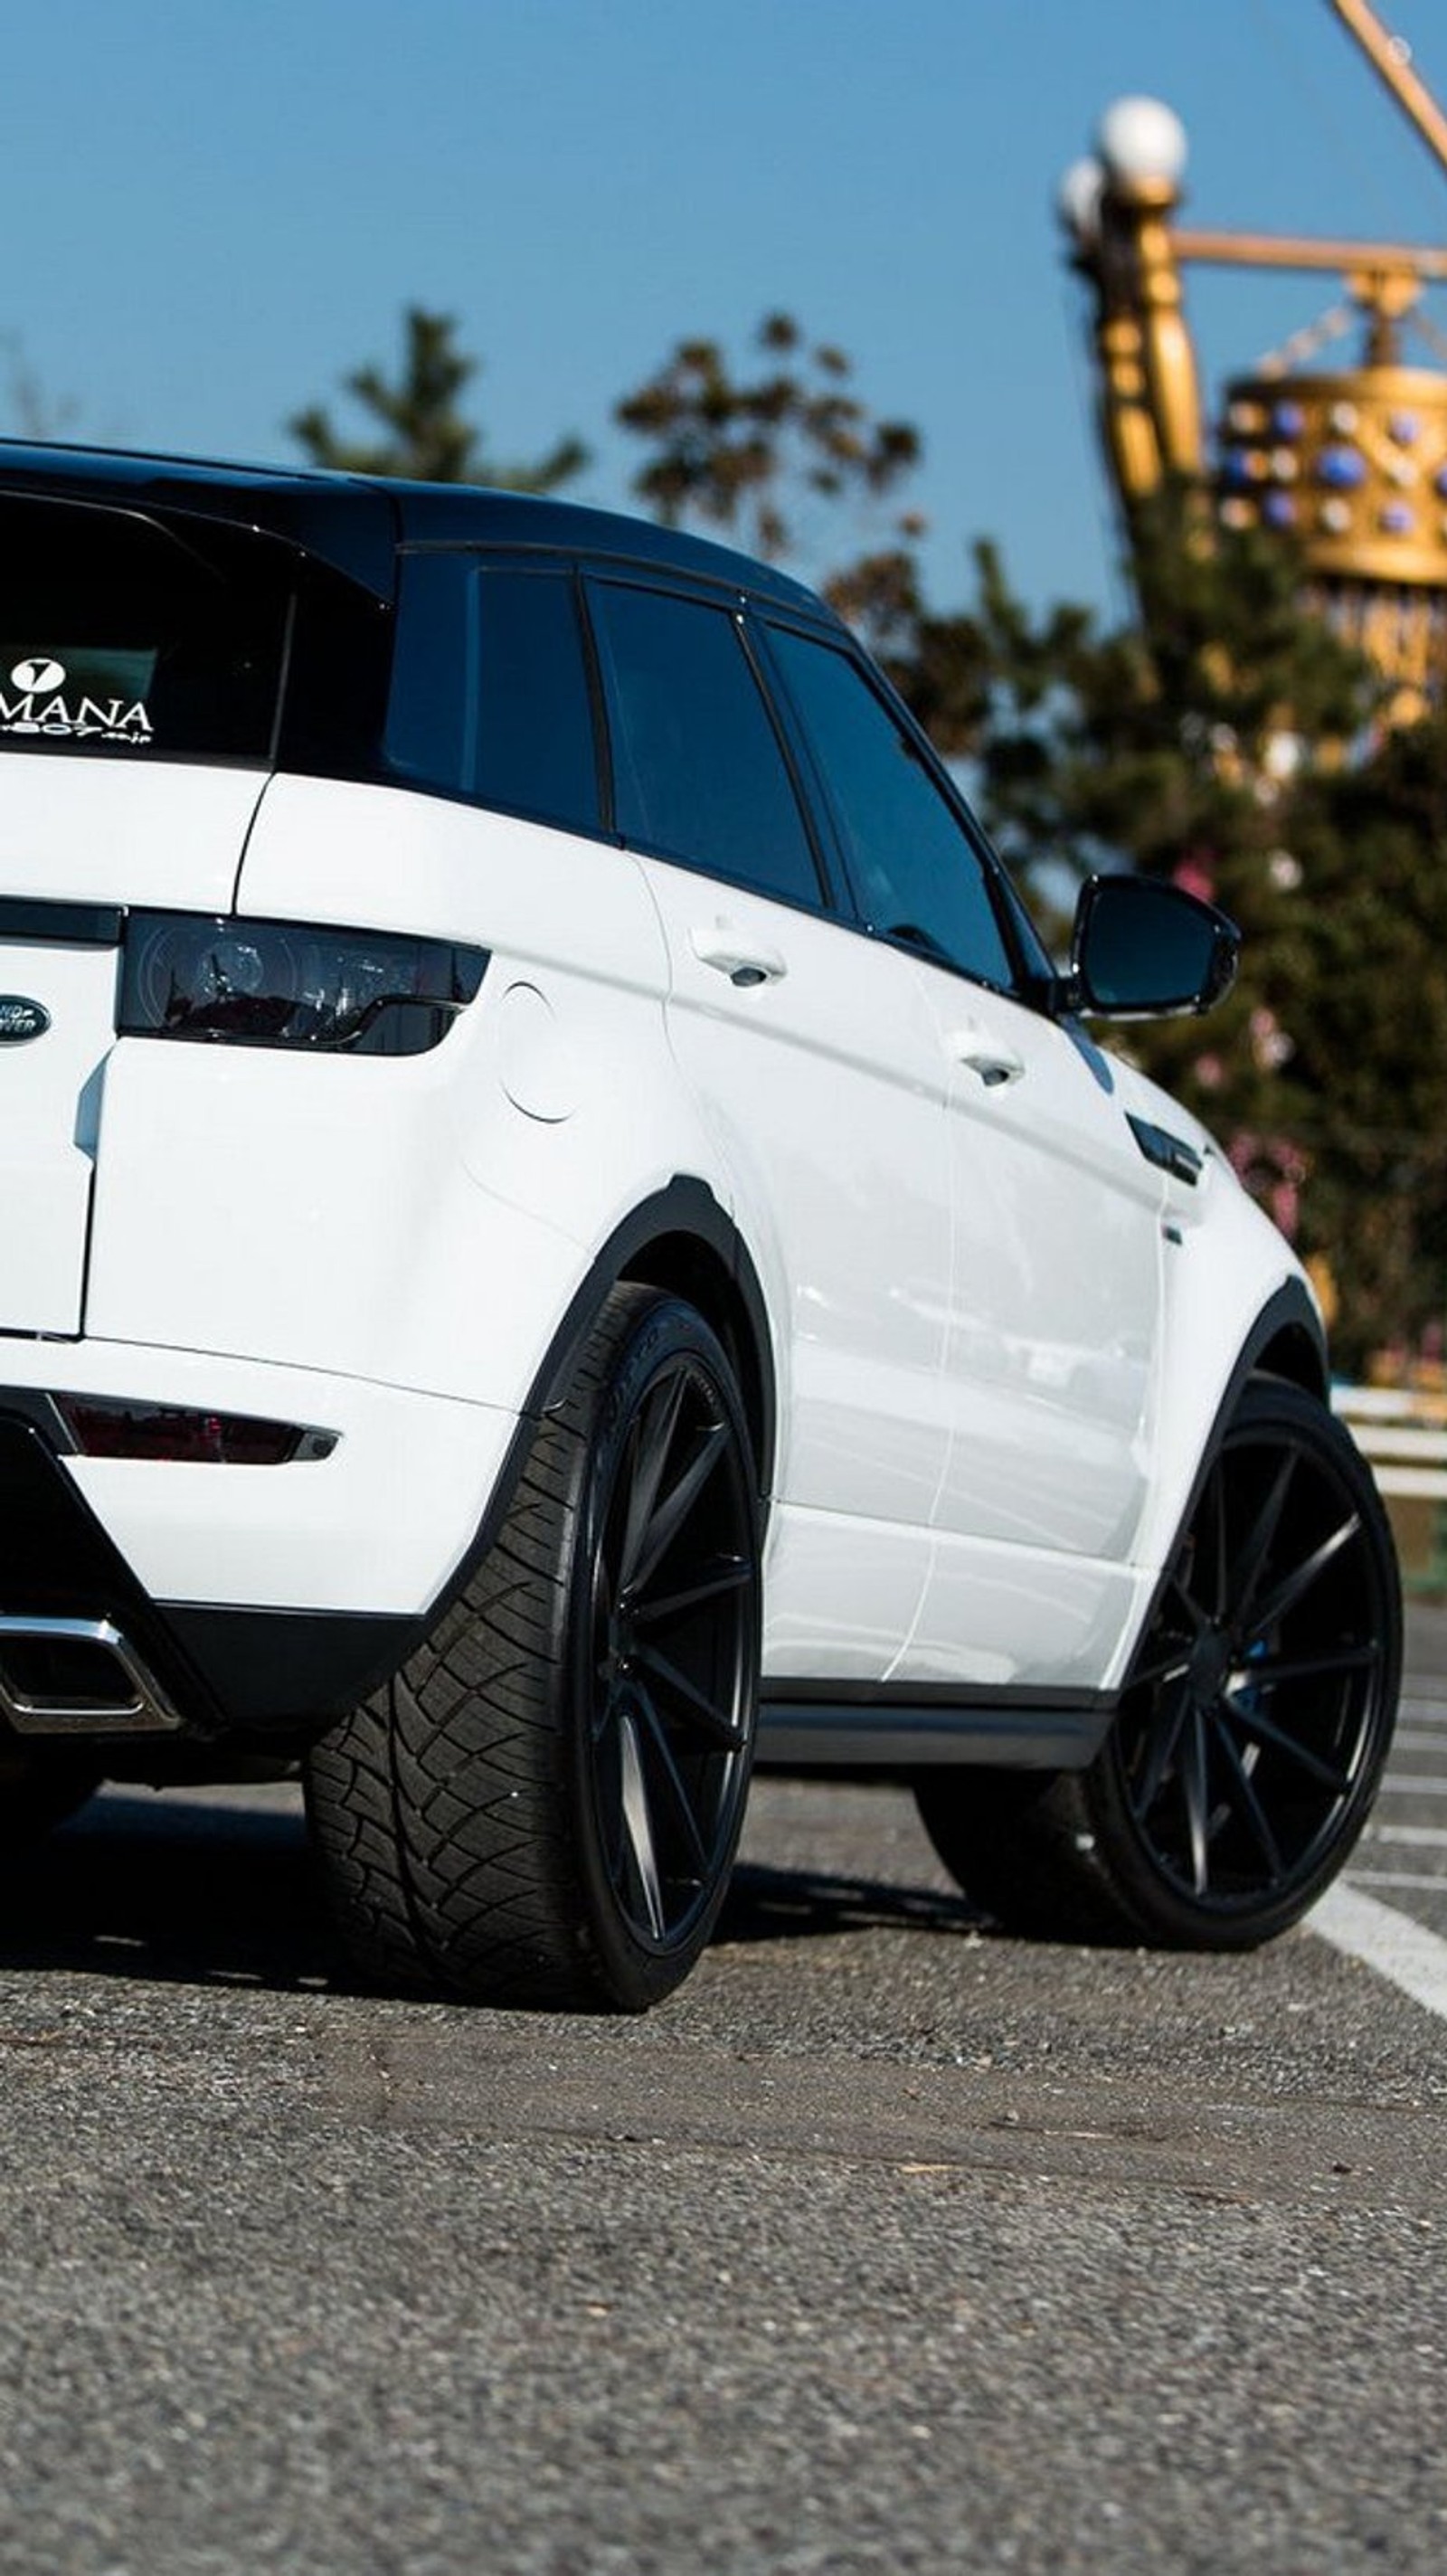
{"x":356,"y":523}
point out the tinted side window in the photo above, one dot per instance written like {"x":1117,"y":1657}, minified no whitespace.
{"x":490,"y":693}
{"x":698,"y":773}
{"x":915,"y":869}
{"x":535,"y":745}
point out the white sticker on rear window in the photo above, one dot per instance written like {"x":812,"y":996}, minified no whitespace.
{"x":45,"y":699}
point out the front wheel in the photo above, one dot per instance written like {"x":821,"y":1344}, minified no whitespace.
{"x":1246,"y":1752}
{"x":543,"y":1806}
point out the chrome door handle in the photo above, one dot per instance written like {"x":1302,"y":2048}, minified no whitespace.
{"x":991,"y":1058}
{"x":741,"y":960}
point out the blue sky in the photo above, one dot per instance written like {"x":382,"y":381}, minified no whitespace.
{"x":213,"y":212}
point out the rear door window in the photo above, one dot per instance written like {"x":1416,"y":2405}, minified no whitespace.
{"x":699,"y":774}
{"x":125,"y":636}
{"x":490,"y":697}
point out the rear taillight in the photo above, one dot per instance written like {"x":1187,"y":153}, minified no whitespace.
{"x":111,"y":1427}
{"x":223,"y":980}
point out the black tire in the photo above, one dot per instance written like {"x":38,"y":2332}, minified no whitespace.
{"x":1245,"y":1756}
{"x":39,"y":1787}
{"x":543,"y":1806}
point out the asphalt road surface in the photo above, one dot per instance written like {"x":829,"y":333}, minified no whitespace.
{"x":886,"y":2245}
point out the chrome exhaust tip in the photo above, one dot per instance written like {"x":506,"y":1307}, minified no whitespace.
{"x":78,"y":1677}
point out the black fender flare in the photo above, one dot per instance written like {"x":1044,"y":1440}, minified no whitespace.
{"x":686,"y":1210}
{"x":1289,"y":1319}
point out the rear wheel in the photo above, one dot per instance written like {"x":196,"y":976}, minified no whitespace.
{"x":543,"y":1806}
{"x":1246,"y":1753}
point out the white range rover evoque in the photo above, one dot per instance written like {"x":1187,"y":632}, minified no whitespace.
{"x":559,"y":1220}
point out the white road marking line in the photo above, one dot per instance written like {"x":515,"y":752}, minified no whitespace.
{"x":1406,"y":1953}
{"x":1414,"y":1784}
{"x":1400,"y":1878}
{"x":1416,"y":1739}
{"x":1431,"y":1837}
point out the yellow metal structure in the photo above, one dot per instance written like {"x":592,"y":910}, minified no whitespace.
{"x":1352,"y":462}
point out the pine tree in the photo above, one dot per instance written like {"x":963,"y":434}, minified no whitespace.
{"x":425,"y":436}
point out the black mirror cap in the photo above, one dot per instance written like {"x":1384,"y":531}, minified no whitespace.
{"x":1144,"y":949}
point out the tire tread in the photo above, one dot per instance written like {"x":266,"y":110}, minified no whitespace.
{"x":440,"y":1807}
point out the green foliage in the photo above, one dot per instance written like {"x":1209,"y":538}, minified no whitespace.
{"x":777,"y":459}
{"x":425,"y":437}
{"x":750,"y":454}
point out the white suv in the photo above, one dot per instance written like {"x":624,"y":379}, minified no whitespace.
{"x":557,"y":1216}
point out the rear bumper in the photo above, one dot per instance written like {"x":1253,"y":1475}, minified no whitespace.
{"x":147,"y":1666}
{"x":257,"y":1603}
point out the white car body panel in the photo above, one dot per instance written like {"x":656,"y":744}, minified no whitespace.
{"x":999,"y":1617}
{"x":311,"y":1535}
{"x":841,"y":1594}
{"x":46,"y":1129}
{"x":1049,"y":1378}
{"x":1055,"y":1311}
{"x":438,"y":1211}
{"x":87,"y":833}
{"x":76,"y":829}
{"x":852,"y":1244}
{"x":1225,"y":1265}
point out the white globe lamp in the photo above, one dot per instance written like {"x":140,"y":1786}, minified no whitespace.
{"x":1142,"y":145}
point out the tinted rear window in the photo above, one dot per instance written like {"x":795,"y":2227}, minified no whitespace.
{"x":121,"y":636}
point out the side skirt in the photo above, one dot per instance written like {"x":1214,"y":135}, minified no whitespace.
{"x":805,"y":1726}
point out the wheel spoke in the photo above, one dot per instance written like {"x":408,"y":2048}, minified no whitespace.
{"x":1172,"y":1654}
{"x":1294,"y":1586}
{"x":1196,"y":1614}
{"x":1267,"y":1731}
{"x":672,"y":1605}
{"x":671,"y":1513}
{"x":672,"y":1778}
{"x":638,"y":1825}
{"x":1164,"y":1737}
{"x":1242,"y":1789}
{"x":1195,"y":1789}
{"x":1249,"y":1562}
{"x":1168,"y":1668}
{"x":1267,"y":1671}
{"x":652,"y":1439}
{"x":704,"y":1716}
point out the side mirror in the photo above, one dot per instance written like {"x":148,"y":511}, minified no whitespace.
{"x":1143,"y":949}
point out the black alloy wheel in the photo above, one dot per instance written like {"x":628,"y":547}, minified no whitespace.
{"x":1247,"y":1748}
{"x":669,"y":1641}
{"x":1250,"y":1743}
{"x":544,"y":1805}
